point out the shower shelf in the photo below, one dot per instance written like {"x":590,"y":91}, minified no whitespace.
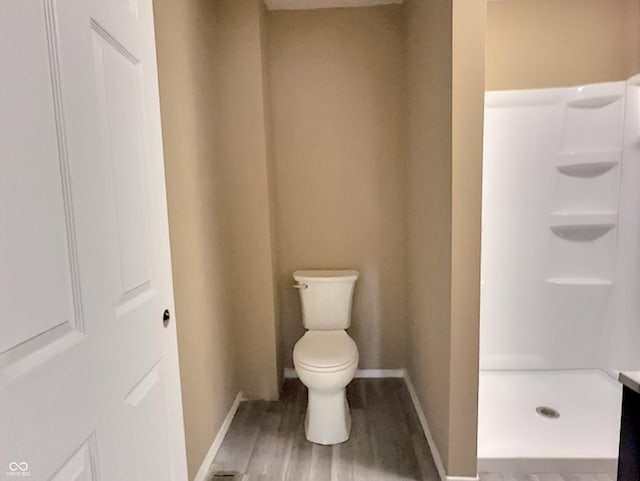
{"x":593,"y":102}
{"x":587,"y":164}
{"x":581,"y":226}
{"x":579,"y":281}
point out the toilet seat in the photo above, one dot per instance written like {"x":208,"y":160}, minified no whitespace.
{"x":325,"y":351}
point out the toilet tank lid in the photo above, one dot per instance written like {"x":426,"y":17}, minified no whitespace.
{"x":326,"y":275}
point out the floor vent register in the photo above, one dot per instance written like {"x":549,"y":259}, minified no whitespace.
{"x":225,"y":476}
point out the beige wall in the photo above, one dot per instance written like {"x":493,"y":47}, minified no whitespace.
{"x":445,"y":70}
{"x":468,"y":66}
{"x":429,"y":208}
{"x":268,"y":115}
{"x":553,"y":43}
{"x":337,"y":93}
{"x":212,"y":73}
{"x":242,"y":151}
{"x":184,"y":32}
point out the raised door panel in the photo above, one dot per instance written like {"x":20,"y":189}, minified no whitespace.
{"x":38,"y":280}
{"x":146,"y":406}
{"x":81,"y":466}
{"x":119,"y":88}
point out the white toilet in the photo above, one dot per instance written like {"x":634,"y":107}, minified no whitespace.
{"x":325,"y":357}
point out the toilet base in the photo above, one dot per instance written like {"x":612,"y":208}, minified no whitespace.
{"x":328,"y":420}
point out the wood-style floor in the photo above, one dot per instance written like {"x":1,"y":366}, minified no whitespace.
{"x":266,"y":441}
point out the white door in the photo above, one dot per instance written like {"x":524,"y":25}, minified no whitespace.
{"x":89,"y":386}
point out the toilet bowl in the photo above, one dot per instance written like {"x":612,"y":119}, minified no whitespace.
{"x":326,"y":362}
{"x":325,"y":357}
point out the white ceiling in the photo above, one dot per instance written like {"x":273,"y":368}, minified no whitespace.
{"x":313,"y":4}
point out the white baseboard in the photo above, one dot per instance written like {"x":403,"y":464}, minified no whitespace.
{"x":374,"y":373}
{"x":427,"y":432}
{"x":202,"y":473}
{"x":290,"y":373}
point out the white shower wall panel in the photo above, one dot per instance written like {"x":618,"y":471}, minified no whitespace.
{"x":620,"y":340}
{"x":551,"y":193}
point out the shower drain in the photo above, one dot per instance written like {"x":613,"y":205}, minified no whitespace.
{"x":547,"y":412}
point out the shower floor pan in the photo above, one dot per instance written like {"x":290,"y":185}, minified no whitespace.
{"x":519,"y":432}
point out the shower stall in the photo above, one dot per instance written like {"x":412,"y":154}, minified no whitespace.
{"x":560,"y":299}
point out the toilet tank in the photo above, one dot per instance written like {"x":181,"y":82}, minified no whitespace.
{"x":326,"y":297}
